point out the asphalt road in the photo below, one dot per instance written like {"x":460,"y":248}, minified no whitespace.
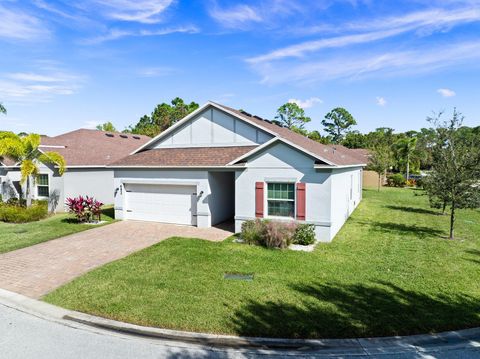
{"x":25,"y":336}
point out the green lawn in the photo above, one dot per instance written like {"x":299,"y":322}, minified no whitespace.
{"x":390,"y":271}
{"x":14,"y":236}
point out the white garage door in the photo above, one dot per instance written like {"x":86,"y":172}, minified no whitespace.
{"x":161,"y":203}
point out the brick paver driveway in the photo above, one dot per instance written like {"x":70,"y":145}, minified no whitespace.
{"x":37,"y":270}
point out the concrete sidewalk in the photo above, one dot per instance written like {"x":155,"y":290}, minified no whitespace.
{"x":457,"y":344}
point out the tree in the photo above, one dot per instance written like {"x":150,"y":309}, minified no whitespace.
{"x":107,"y":126}
{"x":3,"y":109}
{"x":380,"y":161}
{"x":337,"y":122}
{"x":24,"y":150}
{"x":292,"y":116}
{"x":355,"y":139}
{"x":405,"y":148}
{"x":455,"y":175}
{"x":162,"y":117}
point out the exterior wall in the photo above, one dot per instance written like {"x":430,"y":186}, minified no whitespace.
{"x":281,"y":163}
{"x":346,"y":195}
{"x":370,"y":179}
{"x":213,"y":127}
{"x":222,"y":197}
{"x":92,"y":182}
{"x":199,"y":178}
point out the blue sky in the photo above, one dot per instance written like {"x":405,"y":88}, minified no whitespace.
{"x":66,"y":65}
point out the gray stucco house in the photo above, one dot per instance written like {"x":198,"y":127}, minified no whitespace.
{"x":219,"y":163}
{"x":87,"y":154}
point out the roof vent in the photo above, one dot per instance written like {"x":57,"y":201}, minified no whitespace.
{"x":258,"y":117}
{"x":268,"y":121}
{"x":136,"y":137}
{"x":109,"y":135}
{"x":245,"y":113}
{"x":123,"y":136}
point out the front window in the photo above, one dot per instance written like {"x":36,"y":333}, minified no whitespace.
{"x":281,"y":199}
{"x":42,"y":186}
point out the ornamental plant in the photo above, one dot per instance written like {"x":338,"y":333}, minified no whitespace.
{"x":86,"y":209}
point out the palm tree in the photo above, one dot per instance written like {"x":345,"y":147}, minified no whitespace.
{"x":3,"y":109}
{"x":25,"y":152}
{"x":406,"y":147}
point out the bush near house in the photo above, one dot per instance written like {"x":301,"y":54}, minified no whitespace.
{"x":276,"y":234}
{"x":85,"y":209}
{"x":14,"y":211}
{"x":396,"y":180}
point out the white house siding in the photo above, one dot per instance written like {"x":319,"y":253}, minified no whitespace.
{"x":198,"y":178}
{"x":222,"y":196}
{"x":344,"y":180}
{"x":281,"y":163}
{"x":91,"y":182}
{"x":213,"y":127}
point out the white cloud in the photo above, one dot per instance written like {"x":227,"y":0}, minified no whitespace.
{"x":309,"y":102}
{"x":143,"y":11}
{"x":366,"y":64}
{"x":41,"y":86}
{"x":373,"y":30}
{"x":236,"y":16}
{"x":446,"y":92}
{"x":156,"y":71}
{"x":17,"y":25}
{"x":115,"y":34}
{"x":380,"y":101}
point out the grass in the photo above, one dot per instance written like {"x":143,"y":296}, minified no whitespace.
{"x":15,"y":236}
{"x":390,"y":271}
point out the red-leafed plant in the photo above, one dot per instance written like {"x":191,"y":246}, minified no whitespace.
{"x":85,"y":209}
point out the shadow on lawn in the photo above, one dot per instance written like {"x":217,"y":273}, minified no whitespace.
{"x":473,"y":253}
{"x":413,"y":210}
{"x":355,"y":310}
{"x":405,"y":229}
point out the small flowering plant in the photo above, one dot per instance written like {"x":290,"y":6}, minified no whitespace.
{"x":86,"y":209}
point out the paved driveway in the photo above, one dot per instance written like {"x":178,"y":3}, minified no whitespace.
{"x":37,"y":270}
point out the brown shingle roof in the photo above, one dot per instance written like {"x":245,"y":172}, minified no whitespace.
{"x":336,"y":154}
{"x":85,"y":147}
{"x":185,"y":157}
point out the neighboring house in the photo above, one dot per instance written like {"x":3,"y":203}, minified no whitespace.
{"x":87,"y":154}
{"x":370,"y":178}
{"x":218,"y":164}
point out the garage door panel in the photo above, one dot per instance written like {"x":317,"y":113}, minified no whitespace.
{"x":161,"y":203}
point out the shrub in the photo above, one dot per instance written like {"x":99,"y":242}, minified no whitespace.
{"x":253,"y":231}
{"x":419,"y":182}
{"x":304,"y":234}
{"x":85,"y":209}
{"x":279,"y":234}
{"x":19,"y":214}
{"x":411,"y":182}
{"x":395,"y":180}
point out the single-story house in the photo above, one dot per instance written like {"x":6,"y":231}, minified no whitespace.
{"x":87,"y":154}
{"x":219,"y":163}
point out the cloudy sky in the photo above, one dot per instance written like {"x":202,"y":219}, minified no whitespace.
{"x":66,"y":64}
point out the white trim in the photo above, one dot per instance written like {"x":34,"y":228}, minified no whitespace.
{"x":173,"y":182}
{"x":281,"y":139}
{"x":193,"y":114}
{"x":341,"y":166}
{"x":51,"y":146}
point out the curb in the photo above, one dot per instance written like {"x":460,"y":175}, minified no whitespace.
{"x":466,"y":338}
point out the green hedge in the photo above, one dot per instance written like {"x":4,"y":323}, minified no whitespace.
{"x":12,"y":213}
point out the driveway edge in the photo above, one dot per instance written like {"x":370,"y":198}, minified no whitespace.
{"x":467,"y":338}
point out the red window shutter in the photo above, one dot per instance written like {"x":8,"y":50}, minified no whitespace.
{"x":301,"y":202}
{"x":259,"y":199}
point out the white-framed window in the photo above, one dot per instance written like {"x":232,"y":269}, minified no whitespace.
{"x":281,"y":199}
{"x":42,"y":185}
